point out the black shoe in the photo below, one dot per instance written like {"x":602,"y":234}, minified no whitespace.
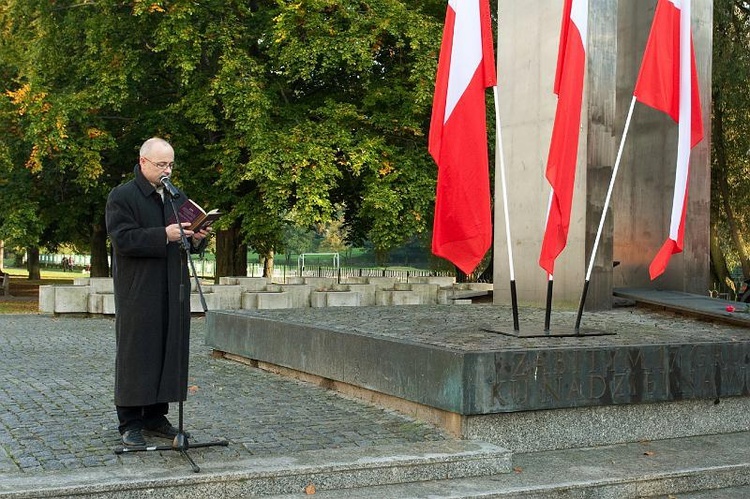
{"x":133,"y":438}
{"x":166,"y":430}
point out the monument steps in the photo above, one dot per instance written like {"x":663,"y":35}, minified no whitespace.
{"x":715,"y":466}
{"x":331,"y":469}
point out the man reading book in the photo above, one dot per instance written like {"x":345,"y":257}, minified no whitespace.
{"x":151,"y":361}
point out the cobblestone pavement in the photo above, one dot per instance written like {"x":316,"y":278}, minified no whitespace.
{"x":57,"y":412}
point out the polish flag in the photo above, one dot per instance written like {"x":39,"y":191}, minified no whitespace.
{"x":563,"y":150}
{"x":462,"y":231}
{"x":668,"y":82}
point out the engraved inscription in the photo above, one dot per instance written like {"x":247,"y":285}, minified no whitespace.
{"x":569,"y":378}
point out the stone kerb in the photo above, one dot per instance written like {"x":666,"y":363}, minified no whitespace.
{"x":95,"y":304}
{"x":226,"y":297}
{"x":252,"y":283}
{"x":392,"y":297}
{"x":95,"y":295}
{"x":273,"y":298}
{"x":101,"y":285}
{"x":71,"y":299}
{"x":47,"y":298}
{"x":366,"y":292}
{"x":339,"y":295}
{"x":298,"y":293}
{"x":440,"y":281}
{"x":428,"y":292}
{"x":382,"y":282}
{"x":108,"y":304}
{"x":321,"y":282}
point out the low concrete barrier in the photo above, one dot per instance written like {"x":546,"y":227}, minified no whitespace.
{"x":95,"y":295}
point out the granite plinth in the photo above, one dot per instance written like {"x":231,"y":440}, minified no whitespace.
{"x":443,"y":357}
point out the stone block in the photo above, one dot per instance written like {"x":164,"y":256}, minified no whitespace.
{"x":47,"y":299}
{"x":212,"y":302}
{"x":321,"y":282}
{"x":81,"y":281}
{"x":318,"y":299}
{"x":71,"y":299}
{"x":390,"y":297}
{"x":196,"y":307}
{"x":366,"y":293}
{"x":95,"y":305}
{"x":440,"y":281}
{"x":382,"y":282}
{"x":228,"y":297}
{"x":250,"y":300}
{"x":268,"y":301}
{"x":299,"y":294}
{"x":108,"y":304}
{"x":354,"y":280}
{"x":343,"y":299}
{"x":428,"y":293}
{"x":101,"y":285}
{"x":252,"y":283}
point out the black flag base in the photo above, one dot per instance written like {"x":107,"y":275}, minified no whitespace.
{"x":179,"y":444}
{"x":540,"y":332}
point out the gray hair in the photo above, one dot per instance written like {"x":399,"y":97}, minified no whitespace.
{"x":153,"y":143}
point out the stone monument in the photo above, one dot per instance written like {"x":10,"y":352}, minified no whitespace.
{"x":638,"y":218}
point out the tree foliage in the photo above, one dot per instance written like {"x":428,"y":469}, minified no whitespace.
{"x":730,"y":196}
{"x":280,"y":112}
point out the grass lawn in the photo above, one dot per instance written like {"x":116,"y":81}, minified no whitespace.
{"x":24,"y":292}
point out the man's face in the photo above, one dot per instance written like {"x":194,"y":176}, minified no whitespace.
{"x":157,"y":163}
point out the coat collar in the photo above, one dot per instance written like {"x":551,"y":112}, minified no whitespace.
{"x":143,"y":184}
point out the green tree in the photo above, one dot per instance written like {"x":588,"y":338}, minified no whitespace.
{"x":279,"y":112}
{"x":73,"y":86}
{"x":730,"y":193}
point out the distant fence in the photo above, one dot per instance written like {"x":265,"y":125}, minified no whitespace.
{"x":282,"y":272}
{"x":207,"y":268}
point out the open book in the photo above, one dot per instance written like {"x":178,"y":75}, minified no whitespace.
{"x":190,"y":211}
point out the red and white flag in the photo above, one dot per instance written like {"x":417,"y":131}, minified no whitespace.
{"x":668,"y":82}
{"x":462,"y":231}
{"x":563,"y":150}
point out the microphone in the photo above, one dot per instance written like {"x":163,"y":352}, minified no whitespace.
{"x":169,"y":187}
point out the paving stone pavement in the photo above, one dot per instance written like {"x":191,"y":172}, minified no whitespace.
{"x":57,"y":412}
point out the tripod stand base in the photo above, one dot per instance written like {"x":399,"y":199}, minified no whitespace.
{"x":180,"y":444}
{"x":539,"y":332}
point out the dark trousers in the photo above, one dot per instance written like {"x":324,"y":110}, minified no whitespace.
{"x":145,"y":417}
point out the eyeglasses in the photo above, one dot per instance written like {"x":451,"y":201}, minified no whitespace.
{"x":162,"y":165}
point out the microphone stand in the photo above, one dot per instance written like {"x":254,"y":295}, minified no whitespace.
{"x":180,"y":442}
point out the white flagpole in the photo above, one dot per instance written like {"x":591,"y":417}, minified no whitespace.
{"x":604,"y":214}
{"x":513,"y":295}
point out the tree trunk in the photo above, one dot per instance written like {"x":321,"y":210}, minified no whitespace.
{"x":268,"y":265}
{"x":487,"y":273}
{"x":99,"y":254}
{"x":719,"y":269}
{"x":231,"y":253}
{"x":460,"y":275}
{"x":32,"y":264}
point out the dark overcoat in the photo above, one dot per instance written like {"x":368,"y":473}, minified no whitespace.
{"x":152,"y":323}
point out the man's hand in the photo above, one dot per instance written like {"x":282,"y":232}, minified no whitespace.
{"x":173,"y":231}
{"x":201,"y":234}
